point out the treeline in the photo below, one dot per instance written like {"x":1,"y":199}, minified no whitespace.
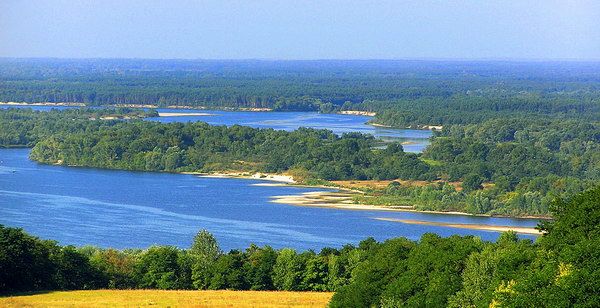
{"x":25,"y":127}
{"x":407,"y":88}
{"x":505,"y":166}
{"x":177,"y":147}
{"x":561,"y":269}
{"x":28,"y":264}
{"x":478,"y":107}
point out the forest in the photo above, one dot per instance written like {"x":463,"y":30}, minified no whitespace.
{"x":405,"y":93}
{"x":560,"y":269}
{"x":513,"y":167}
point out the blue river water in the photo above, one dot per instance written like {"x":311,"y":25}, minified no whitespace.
{"x":122,"y":209}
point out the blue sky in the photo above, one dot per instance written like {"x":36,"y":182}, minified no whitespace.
{"x":478,"y":29}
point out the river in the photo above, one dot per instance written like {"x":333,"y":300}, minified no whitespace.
{"x":123,"y":209}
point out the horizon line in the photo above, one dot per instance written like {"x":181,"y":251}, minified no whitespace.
{"x":483,"y":59}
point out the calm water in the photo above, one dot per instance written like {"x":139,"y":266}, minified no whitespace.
{"x":122,"y":209}
{"x":416,"y":140}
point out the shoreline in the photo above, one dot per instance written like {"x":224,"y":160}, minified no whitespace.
{"x":418,"y":127}
{"x":483,"y":227}
{"x":343,"y":200}
{"x":281,"y":179}
{"x":358,"y":112}
{"x":43,"y":104}
{"x":339,"y":198}
{"x":183,"y":114}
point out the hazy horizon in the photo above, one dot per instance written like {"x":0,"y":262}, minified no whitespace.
{"x":466,"y":30}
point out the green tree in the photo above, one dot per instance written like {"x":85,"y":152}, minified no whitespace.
{"x":204,"y":252}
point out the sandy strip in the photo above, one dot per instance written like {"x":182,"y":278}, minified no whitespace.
{"x":343,"y":199}
{"x":358,"y":112}
{"x":270,"y":184}
{"x":256,"y":176}
{"x":379,"y":125}
{"x":522,"y":230}
{"x":183,"y":114}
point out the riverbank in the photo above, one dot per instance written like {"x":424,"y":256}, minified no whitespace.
{"x":420,"y":127}
{"x":280,"y":178}
{"x":343,"y":199}
{"x":358,"y":112}
{"x":521,"y":230}
{"x":42,"y":104}
{"x":183,"y":114}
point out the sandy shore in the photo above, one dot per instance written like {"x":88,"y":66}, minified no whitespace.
{"x":522,"y":230}
{"x":421,"y":127}
{"x":358,"y":112}
{"x":380,"y":125}
{"x":343,"y":199}
{"x":281,"y":178}
{"x":183,"y":114}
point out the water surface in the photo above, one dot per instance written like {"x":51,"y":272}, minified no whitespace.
{"x":124,"y":209}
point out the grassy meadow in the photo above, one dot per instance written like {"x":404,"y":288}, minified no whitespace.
{"x":162,"y":298}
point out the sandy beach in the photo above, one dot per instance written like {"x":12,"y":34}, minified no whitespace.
{"x":358,"y":112}
{"x":183,"y":114}
{"x":522,"y":230}
{"x":343,"y":199}
{"x":281,"y":178}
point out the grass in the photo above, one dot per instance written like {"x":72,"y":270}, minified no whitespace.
{"x":160,"y":298}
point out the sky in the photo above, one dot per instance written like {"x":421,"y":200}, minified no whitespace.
{"x":281,"y":29}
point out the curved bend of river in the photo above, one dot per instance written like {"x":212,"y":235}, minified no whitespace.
{"x":124,"y":209}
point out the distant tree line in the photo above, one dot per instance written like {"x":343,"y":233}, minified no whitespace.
{"x":25,"y":127}
{"x":404,"y":92}
{"x":561,"y":269}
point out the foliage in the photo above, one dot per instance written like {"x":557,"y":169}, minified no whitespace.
{"x":560,"y":269}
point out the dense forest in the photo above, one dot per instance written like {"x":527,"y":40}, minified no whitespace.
{"x":405,"y":92}
{"x":509,"y":167}
{"x":559,"y":270}
{"x":24,"y":127}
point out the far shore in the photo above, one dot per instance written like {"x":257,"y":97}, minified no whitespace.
{"x":358,"y":112}
{"x":42,"y":104}
{"x":343,"y":200}
{"x":420,"y":127}
{"x":183,"y":114}
{"x":340,"y":198}
{"x":522,"y":230}
{"x":281,"y":178}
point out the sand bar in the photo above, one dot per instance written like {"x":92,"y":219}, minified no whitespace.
{"x":522,"y":230}
{"x":358,"y":112}
{"x":256,"y":176}
{"x":183,"y":114}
